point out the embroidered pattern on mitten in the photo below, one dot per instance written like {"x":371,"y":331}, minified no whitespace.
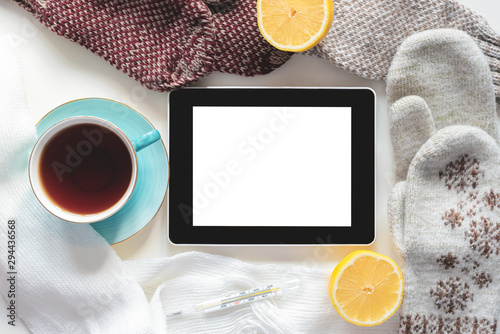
{"x":475,"y":215}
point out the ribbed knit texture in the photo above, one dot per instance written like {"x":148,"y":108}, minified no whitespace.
{"x":216,"y":2}
{"x":241,"y":49}
{"x":365,"y":34}
{"x":163,"y":44}
{"x":445,"y":216}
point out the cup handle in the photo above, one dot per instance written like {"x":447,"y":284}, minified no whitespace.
{"x":146,"y":140}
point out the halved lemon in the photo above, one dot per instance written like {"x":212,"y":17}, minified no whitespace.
{"x":366,"y":288}
{"x":294,"y":25}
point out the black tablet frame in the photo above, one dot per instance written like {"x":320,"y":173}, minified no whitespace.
{"x":362,"y":230}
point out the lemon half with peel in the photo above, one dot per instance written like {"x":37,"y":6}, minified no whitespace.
{"x":294,"y":25}
{"x":366,"y":288}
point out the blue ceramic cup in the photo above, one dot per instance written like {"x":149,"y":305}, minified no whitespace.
{"x":73,"y":185}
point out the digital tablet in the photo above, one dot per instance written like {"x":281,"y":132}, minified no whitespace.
{"x":254,"y":166}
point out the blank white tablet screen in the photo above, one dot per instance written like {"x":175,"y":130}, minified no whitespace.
{"x":271,"y":166}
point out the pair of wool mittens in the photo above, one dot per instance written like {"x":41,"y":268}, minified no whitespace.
{"x":164,"y":44}
{"x":444,"y":213}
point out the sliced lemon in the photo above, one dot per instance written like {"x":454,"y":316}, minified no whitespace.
{"x":294,"y":25}
{"x":366,"y":288}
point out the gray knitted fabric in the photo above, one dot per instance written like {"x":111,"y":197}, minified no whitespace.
{"x":365,"y":34}
{"x":445,"y":216}
{"x":442,"y":70}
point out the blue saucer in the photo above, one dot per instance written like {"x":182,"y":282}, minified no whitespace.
{"x":153,"y":169}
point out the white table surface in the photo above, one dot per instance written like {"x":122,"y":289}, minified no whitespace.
{"x":57,"y":70}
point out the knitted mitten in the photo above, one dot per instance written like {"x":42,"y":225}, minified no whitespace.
{"x":241,"y":49}
{"x":445,"y":218}
{"x":444,"y":71}
{"x":365,"y":34}
{"x":163,"y":44}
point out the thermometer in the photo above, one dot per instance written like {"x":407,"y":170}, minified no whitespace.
{"x":243,"y":297}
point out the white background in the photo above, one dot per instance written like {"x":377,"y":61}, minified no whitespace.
{"x":271,"y":166}
{"x":57,"y":70}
